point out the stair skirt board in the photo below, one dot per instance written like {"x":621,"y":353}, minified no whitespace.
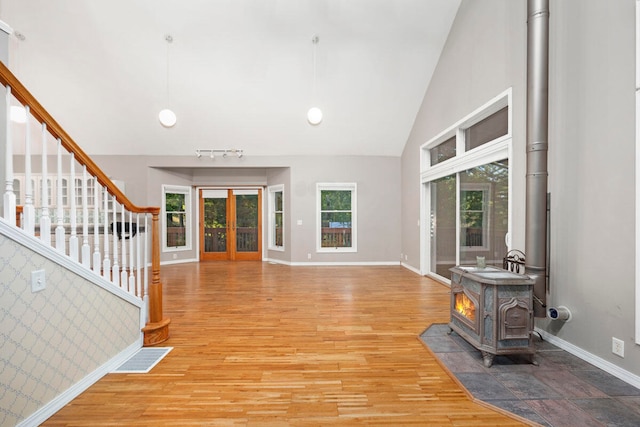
{"x":143,"y":361}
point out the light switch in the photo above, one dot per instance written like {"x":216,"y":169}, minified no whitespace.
{"x":38,"y":282}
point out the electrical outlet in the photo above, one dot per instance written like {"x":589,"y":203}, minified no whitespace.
{"x":38,"y":282}
{"x":308,"y":256}
{"x":617,"y":346}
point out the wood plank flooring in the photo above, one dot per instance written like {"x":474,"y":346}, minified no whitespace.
{"x":259,"y":344}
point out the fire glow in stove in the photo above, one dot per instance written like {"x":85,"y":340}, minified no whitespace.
{"x":492,"y":309}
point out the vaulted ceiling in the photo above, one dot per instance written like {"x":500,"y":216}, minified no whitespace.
{"x":238,"y":74}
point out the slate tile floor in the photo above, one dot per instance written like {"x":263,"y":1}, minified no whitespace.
{"x":562,"y":390}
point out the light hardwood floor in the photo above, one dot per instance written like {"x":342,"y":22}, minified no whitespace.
{"x":259,"y":344}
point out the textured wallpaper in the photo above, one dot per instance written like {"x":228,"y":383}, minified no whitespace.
{"x":52,"y":339}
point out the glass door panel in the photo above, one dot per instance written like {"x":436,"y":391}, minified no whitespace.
{"x":469,"y":217}
{"x":247,"y":224}
{"x":443,"y":225}
{"x":214,"y":229}
{"x":230,"y":224}
{"x":484,"y":213}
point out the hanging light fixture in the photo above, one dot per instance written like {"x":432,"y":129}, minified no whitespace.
{"x":314,"y":115}
{"x":166,"y":116}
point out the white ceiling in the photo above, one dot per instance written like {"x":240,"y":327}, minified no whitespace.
{"x":240,"y":72}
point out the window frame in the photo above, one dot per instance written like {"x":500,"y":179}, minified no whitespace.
{"x":177,"y":189}
{"x":343,"y":186}
{"x":489,"y":152}
{"x":273,"y":190}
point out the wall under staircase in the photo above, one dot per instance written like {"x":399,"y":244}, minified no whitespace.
{"x":58,"y":341}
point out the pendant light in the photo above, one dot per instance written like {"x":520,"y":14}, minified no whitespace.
{"x":314,"y":115}
{"x":166,"y":116}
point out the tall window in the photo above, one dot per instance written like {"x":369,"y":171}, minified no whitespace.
{"x":276,"y":217}
{"x":177,"y":217}
{"x":465,"y":176}
{"x":336,"y":217}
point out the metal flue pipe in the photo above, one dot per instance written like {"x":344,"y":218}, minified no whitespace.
{"x":537,"y":148}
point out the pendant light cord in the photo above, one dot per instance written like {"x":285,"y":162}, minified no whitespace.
{"x":315,"y":39}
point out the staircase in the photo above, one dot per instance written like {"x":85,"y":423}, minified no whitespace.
{"x":75,"y":253}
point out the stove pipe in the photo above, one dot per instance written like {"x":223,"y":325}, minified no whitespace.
{"x":537,"y":148}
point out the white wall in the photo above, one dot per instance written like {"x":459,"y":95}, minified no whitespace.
{"x":592,"y":171}
{"x":377,"y":178}
{"x":58,"y":341}
{"x":591,"y":157}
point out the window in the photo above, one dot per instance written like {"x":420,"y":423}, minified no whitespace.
{"x":444,"y":151}
{"x":276,"y":217}
{"x":176,"y":206}
{"x":466,"y":190}
{"x":336,"y":217}
{"x":473,"y":218}
{"x":78,"y":190}
{"x":487,"y":130}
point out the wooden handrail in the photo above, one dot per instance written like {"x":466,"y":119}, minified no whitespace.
{"x":40,"y":114}
{"x":157,"y":328}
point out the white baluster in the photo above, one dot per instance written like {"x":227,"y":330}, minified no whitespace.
{"x":138,"y":267}
{"x":45,"y":220}
{"x":59,"y":203}
{"x":86,"y":249}
{"x":123,"y":242}
{"x":28,"y":211}
{"x":9,"y":196}
{"x":73,"y":239}
{"x":132,"y":278}
{"x":96,"y":227}
{"x":106,"y":264}
{"x":146,"y":268}
{"x":115,"y":270}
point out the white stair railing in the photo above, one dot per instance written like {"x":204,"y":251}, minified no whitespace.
{"x":121,"y":229}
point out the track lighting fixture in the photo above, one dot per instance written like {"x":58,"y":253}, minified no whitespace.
{"x":224,"y":151}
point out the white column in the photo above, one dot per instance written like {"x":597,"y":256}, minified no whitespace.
{"x":132,"y":277}
{"x":138,"y":266}
{"x":96,"y":227}
{"x":73,"y":239}
{"x":28,"y":211}
{"x":59,"y":203}
{"x":86,"y":250}
{"x":146,"y":267}
{"x":106,"y":264}
{"x":123,"y":277}
{"x":9,"y":199}
{"x":115,"y":270}
{"x":45,"y":219}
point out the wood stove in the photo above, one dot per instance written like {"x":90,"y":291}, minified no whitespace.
{"x":492,"y":309}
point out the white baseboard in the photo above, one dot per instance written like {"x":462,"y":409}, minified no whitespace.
{"x":410,"y":268}
{"x":338,"y":264}
{"x":74,"y":391}
{"x":605,"y":365}
{"x":177,"y":261}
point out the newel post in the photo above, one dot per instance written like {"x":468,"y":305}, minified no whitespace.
{"x":157,"y":328}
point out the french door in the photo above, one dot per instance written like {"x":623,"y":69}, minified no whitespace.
{"x":230,"y":224}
